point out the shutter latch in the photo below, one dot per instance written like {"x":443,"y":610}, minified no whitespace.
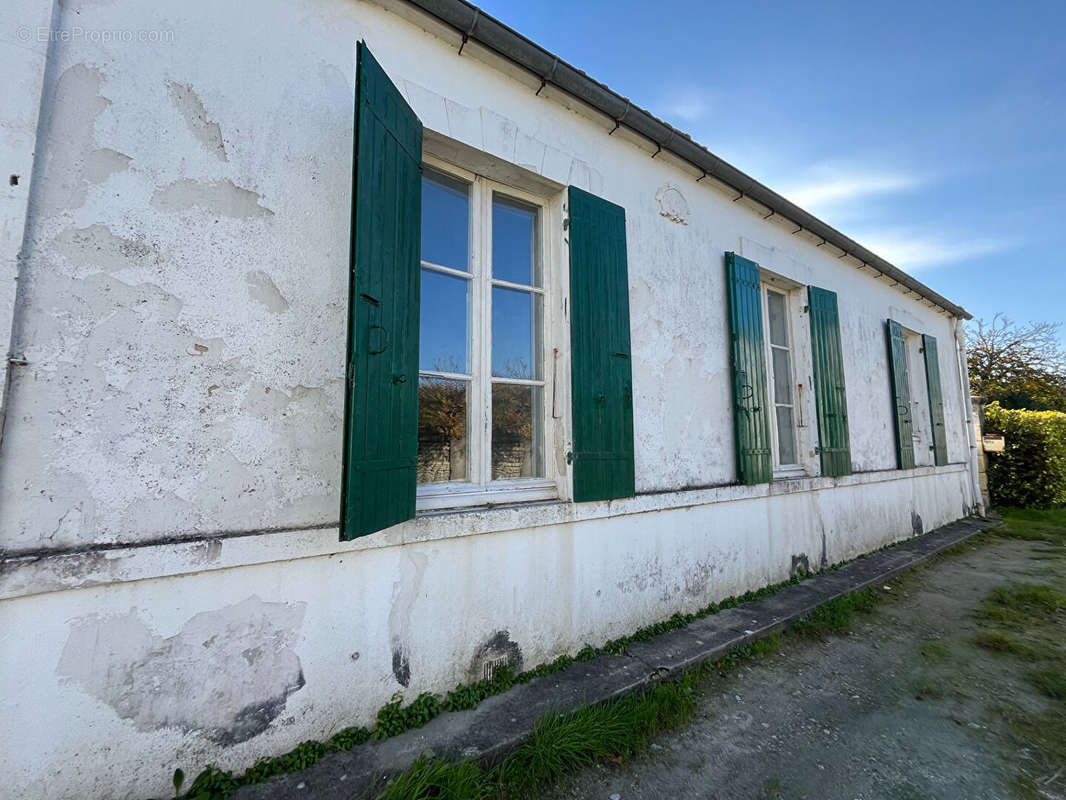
{"x":569,"y":456}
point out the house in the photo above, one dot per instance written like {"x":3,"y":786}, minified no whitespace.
{"x":583,"y":376}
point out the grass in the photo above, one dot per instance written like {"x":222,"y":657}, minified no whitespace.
{"x":1025,"y":622}
{"x":1032,"y":525}
{"x":1043,"y":736}
{"x":1051,"y":682}
{"x":614,"y":731}
{"x":928,"y":690}
{"x":837,"y":615}
{"x":999,"y":642}
{"x":935,"y":651}
{"x":560,"y":743}
{"x":1021,"y":605}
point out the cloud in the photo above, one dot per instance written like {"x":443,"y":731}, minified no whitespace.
{"x":687,"y":105}
{"x":915,"y":250}
{"x":831,"y":187}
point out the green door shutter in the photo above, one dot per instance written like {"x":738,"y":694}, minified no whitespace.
{"x":751,"y":414}
{"x":901,"y":396}
{"x":381,"y":397}
{"x":600,"y":354}
{"x":936,"y":399}
{"x":830,"y":397}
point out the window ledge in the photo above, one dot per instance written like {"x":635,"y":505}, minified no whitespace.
{"x":453,"y":497}
{"x":791,"y":473}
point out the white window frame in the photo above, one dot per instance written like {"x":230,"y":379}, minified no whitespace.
{"x":921,"y":416}
{"x":480,"y":489}
{"x":797,"y":468}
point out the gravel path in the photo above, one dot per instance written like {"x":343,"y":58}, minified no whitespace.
{"x":903,"y":707}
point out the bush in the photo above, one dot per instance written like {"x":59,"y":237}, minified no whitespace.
{"x":1031,"y":473}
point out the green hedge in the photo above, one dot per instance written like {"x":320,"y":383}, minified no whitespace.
{"x":1031,"y":473}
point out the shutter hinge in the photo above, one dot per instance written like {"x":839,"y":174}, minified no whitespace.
{"x":569,"y":456}
{"x":806,"y":309}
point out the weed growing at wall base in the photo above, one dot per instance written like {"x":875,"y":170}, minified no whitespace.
{"x":394,"y":718}
{"x":560,"y":743}
{"x":834,"y":616}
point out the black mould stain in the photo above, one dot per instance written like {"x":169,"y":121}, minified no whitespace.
{"x":401,"y":667}
{"x":916,"y":523}
{"x":801,"y":566}
{"x":498,"y":652}
{"x":252,"y":720}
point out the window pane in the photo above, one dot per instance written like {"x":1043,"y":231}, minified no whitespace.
{"x":515,"y":327}
{"x":516,"y":414}
{"x":514,"y":241}
{"x":775,"y":303}
{"x":782,"y":376}
{"x":441,"y":430}
{"x":443,"y":342}
{"x":445,"y":220}
{"x":786,"y":438}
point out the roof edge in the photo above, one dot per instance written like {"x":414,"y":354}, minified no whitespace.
{"x":476,"y":25}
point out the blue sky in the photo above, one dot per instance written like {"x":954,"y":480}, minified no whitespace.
{"x":932,"y":132}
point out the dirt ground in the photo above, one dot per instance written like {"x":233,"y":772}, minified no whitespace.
{"x":904,"y":706}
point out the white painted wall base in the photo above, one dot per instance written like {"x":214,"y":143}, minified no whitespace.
{"x":140,"y":677}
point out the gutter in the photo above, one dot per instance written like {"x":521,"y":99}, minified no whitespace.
{"x":973,"y":462}
{"x":473,"y":24}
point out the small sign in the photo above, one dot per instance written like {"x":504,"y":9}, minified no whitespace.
{"x":994,"y":443}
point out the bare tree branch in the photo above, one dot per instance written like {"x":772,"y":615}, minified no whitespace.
{"x":1021,"y":365}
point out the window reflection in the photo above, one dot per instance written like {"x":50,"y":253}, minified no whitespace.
{"x":442,"y":424}
{"x":515,"y":431}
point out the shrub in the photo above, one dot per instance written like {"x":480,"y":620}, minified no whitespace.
{"x":1031,"y":472}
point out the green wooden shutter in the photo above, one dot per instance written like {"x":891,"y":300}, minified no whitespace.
{"x":830,"y":396}
{"x":751,"y":413}
{"x":901,"y":396}
{"x":936,"y":399}
{"x":381,"y":398}
{"x":600,"y":354}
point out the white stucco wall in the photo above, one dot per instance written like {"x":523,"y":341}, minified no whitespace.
{"x":169,"y":472}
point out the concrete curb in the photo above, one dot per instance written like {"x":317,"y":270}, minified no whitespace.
{"x":501,"y":723}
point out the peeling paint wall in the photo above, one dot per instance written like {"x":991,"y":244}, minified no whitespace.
{"x":157,"y":682}
{"x":173,"y":590}
{"x":183,"y":296}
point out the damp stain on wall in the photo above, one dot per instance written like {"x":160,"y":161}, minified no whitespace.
{"x":226,"y":674}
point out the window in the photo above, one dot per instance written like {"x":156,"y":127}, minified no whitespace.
{"x":781,"y":389}
{"x":449,"y":397}
{"x":482,"y":421}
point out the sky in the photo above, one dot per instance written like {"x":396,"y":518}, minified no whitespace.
{"x":934,"y":132}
